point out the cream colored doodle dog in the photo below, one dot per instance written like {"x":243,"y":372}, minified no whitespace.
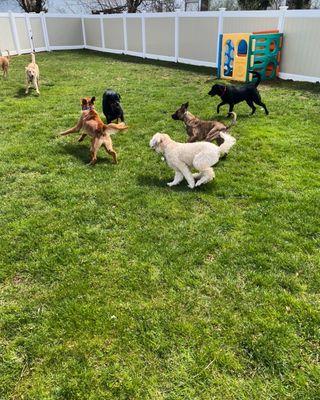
{"x":32,"y":75}
{"x":183,"y":156}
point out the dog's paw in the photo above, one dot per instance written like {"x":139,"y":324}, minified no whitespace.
{"x":191,"y":186}
{"x":170,"y":184}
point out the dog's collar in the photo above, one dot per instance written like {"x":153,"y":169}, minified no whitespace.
{"x":224,"y":91}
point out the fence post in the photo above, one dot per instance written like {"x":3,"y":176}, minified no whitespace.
{"x":282,"y":17}
{"x":125,"y":37}
{"x":45,"y":30}
{"x":14,"y":32}
{"x":220,"y":32}
{"x":143,"y":22}
{"x":102,"y":31}
{"x":83,"y":32}
{"x":176,"y":36}
{"x":29,"y":29}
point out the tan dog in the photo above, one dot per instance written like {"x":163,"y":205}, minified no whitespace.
{"x":93,"y":126}
{"x":32,"y":75}
{"x":4,"y":62}
{"x":198,"y":129}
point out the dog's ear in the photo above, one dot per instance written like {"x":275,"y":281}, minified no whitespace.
{"x":93,"y":99}
{"x":156,"y":140}
{"x":84,"y":102}
{"x":186,"y":105}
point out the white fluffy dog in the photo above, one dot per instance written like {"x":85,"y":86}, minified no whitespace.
{"x":200,"y":155}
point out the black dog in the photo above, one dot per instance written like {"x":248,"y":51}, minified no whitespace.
{"x":233,"y":95}
{"x":111,"y":106}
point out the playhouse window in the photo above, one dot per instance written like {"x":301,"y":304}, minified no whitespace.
{"x":272,"y":46}
{"x":242,"y":48}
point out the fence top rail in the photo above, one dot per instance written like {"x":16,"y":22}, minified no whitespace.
{"x":303,"y":14}
{"x":23,"y":15}
{"x":252,"y":14}
{"x":181,"y":14}
{"x":57,"y":15}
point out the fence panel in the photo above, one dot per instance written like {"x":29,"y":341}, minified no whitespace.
{"x":113,"y":33}
{"x":134,"y":35}
{"x":6,"y":37}
{"x":160,"y":37}
{"x":198,"y":40}
{"x":64,"y":33}
{"x":37,"y":33}
{"x":301,"y":55}
{"x":22,"y":33}
{"x":93,"y":32}
{"x":250,"y":21}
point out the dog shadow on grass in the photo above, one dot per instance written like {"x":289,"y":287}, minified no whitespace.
{"x":151,"y":180}
{"x":81,"y":152}
{"x":21,"y":93}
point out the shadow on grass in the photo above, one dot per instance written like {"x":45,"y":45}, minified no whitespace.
{"x":82,"y":153}
{"x":149,"y":181}
{"x":21,"y":93}
{"x":79,"y":151}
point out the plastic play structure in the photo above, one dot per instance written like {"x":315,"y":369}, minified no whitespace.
{"x":240,"y":53}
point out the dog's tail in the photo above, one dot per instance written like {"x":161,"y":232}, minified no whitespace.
{"x":114,"y":128}
{"x":258,"y":76}
{"x":33,"y":57}
{"x":228,"y":142}
{"x":234,"y":120}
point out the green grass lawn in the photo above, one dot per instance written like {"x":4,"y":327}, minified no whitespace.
{"x":115,"y":286}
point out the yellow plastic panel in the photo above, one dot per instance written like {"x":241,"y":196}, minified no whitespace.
{"x":240,"y":63}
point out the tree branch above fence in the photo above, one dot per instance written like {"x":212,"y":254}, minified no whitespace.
{"x":36,"y":6}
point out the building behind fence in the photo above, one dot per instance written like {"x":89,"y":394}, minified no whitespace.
{"x":189,"y":38}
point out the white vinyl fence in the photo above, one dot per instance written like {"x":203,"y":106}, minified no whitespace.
{"x":184,"y":37}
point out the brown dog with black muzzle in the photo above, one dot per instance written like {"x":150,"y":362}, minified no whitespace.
{"x":93,"y":126}
{"x":4,"y":63}
{"x":200,"y":130}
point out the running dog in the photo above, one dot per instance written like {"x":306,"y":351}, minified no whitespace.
{"x":232,"y":95}
{"x":32,"y":75}
{"x":4,"y":63}
{"x":181,"y":156}
{"x":198,"y":129}
{"x":93,"y":126}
